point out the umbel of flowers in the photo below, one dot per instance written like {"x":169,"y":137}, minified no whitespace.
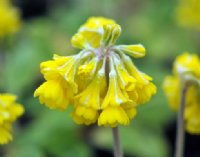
{"x":9,"y":18}
{"x":9,"y":112}
{"x":101,"y":81}
{"x":186,"y":70}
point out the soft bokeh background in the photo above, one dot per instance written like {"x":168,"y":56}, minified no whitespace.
{"x":47,"y":28}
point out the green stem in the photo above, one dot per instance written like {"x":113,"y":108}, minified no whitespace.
{"x":180,"y":134}
{"x":116,"y":143}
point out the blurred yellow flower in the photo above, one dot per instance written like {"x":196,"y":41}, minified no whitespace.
{"x":9,"y":18}
{"x":188,"y":13}
{"x":186,"y":66}
{"x":101,"y":82}
{"x":9,"y":112}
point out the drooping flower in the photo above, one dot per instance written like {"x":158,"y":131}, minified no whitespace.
{"x":188,"y":14}
{"x":187,"y":67}
{"x":101,"y":82}
{"x":9,"y":112}
{"x":10,"y":18}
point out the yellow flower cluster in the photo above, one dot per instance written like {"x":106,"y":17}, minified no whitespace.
{"x":101,"y":81}
{"x":188,"y":13}
{"x":9,"y":18}
{"x":9,"y":112}
{"x":187,"y":66}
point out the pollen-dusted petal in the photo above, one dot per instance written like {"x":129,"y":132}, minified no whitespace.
{"x":113,"y":116}
{"x":136,"y":51}
{"x":55,"y":94}
{"x":5,"y":133}
{"x":84,"y":115}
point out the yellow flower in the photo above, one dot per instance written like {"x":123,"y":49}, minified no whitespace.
{"x":54,"y":93}
{"x":84,"y":115}
{"x":186,"y":66}
{"x":188,"y":13}
{"x":136,"y":51}
{"x":9,"y":112}
{"x":113,"y":116}
{"x":89,"y":35}
{"x":172,"y":90}
{"x":144,"y":89}
{"x":115,"y":95}
{"x":187,"y":63}
{"x":10,"y":18}
{"x":101,"y":82}
{"x":192,"y":118}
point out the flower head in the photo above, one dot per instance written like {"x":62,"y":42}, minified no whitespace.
{"x":10,"y":18}
{"x":186,"y":68}
{"x":9,"y":112}
{"x":101,"y":82}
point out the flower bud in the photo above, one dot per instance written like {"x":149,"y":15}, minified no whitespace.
{"x":136,"y":51}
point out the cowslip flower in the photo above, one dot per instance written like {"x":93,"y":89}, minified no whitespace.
{"x":9,"y":112}
{"x":187,"y":67}
{"x":101,"y":81}
{"x":188,"y":13}
{"x":10,"y":18}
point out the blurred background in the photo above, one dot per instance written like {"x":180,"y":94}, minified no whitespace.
{"x":46,"y":27}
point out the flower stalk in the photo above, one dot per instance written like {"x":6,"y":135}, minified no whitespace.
{"x":116,"y":143}
{"x":180,"y":134}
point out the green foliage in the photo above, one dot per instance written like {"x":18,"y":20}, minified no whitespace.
{"x":52,"y":133}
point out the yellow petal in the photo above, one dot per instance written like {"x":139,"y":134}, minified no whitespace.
{"x":110,"y":34}
{"x":172,"y":91}
{"x":187,"y":63}
{"x":114,"y":96}
{"x":55,"y":94}
{"x":5,"y":133}
{"x":84,"y":115}
{"x":90,"y":33}
{"x":90,"y":97}
{"x":192,"y":117}
{"x":113,"y":116}
{"x":136,"y":51}
{"x":125,"y":80}
{"x":9,"y":109}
